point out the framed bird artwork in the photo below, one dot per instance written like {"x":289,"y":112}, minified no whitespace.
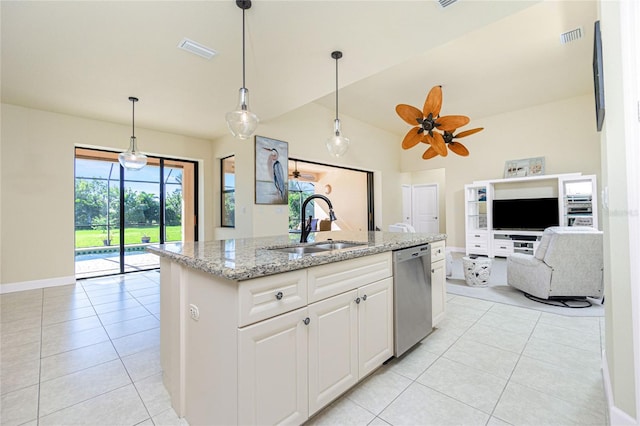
{"x":272,"y":182}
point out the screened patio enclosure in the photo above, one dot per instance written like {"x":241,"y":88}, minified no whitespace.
{"x":119,"y":212}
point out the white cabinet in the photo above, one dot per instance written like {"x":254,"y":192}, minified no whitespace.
{"x":477,"y":215}
{"x":266,"y":297}
{"x":275,"y":349}
{"x":350,"y":335}
{"x":272,"y":383}
{"x":580,"y":201}
{"x":507,"y":243}
{"x":293,"y":365}
{"x":333,"y":348}
{"x":375,"y":325}
{"x":438,"y":282}
{"x":577,"y":206}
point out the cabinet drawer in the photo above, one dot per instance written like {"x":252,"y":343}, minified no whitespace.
{"x":502,"y":248}
{"x":477,"y":247}
{"x":437,"y":251}
{"x":266,"y":297}
{"x":335,"y":278}
{"x":478,"y":237}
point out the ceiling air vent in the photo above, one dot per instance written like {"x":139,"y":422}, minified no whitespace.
{"x":569,"y":36}
{"x":196,"y":48}
{"x":445,"y":3}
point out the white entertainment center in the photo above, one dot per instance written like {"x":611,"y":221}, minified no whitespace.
{"x":576,"y":203}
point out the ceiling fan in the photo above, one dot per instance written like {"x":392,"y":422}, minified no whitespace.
{"x":296,"y":174}
{"x":433,"y":129}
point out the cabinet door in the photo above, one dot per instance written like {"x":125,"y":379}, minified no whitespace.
{"x":272,"y":370}
{"x":375,"y":325}
{"x":333,"y":348}
{"x":438,"y":291}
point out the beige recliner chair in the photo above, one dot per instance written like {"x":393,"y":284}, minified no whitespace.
{"x":567,"y":263}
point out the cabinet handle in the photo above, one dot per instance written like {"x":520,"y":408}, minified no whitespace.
{"x":279,"y":295}
{"x":306,"y":321}
{"x":364,"y":297}
{"x":357,"y":300}
{"x":433,"y":270}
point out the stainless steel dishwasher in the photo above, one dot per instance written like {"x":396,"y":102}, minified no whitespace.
{"x":412,"y":296}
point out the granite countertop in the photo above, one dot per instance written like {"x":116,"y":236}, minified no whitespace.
{"x":246,"y":258}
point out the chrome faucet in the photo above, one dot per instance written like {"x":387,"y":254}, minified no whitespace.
{"x":306,"y":228}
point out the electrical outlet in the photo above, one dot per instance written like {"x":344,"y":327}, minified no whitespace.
{"x":195,"y":312}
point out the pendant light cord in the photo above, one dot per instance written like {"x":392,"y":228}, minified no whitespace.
{"x":243,"y":53}
{"x":133,"y":115}
{"x":337,"y":88}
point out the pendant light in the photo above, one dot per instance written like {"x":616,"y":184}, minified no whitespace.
{"x":132,"y":159}
{"x":337,"y":144}
{"x":242,"y":122}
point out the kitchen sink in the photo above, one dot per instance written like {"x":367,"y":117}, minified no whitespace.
{"x":301,"y":249}
{"x":338,"y":245}
{"x":321,"y":247}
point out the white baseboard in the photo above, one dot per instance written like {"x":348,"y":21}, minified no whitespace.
{"x":617,"y":417}
{"x":456,"y":249}
{"x":32,"y":285}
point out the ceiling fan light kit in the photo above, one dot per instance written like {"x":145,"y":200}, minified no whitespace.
{"x":337,"y":145}
{"x":432,"y":129}
{"x":132,"y":159}
{"x":242,"y":122}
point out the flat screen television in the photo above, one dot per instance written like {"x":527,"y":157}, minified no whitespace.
{"x":529,"y":214}
{"x":598,"y":76}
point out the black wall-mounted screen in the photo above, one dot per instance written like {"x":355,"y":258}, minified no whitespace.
{"x":531,"y":214}
{"x":598,"y":77}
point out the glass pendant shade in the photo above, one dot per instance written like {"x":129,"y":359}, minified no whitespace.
{"x":132,"y":159}
{"x":337,"y":144}
{"x":242,"y":122}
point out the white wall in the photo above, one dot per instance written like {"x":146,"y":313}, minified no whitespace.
{"x":563,"y":132}
{"x":349,"y":191}
{"x":37,"y":185}
{"x":306,"y":130}
{"x":620,"y":26}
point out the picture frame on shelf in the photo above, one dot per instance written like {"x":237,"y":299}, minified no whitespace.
{"x":524,"y":167}
{"x":271,"y":167}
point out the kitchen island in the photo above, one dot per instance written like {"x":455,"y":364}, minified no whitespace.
{"x":262,"y":331}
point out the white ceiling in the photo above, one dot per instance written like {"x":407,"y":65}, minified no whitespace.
{"x":86,"y":58}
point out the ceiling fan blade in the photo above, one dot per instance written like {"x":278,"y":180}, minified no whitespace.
{"x":468,"y":132}
{"x":459,"y":149}
{"x":409,"y":114}
{"x":437,"y":143}
{"x":433,"y":103}
{"x":429,"y":153}
{"x":412,"y":138}
{"x":451,"y":122}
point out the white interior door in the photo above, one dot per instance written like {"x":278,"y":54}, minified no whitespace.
{"x":406,"y":204}
{"x":425,"y":208}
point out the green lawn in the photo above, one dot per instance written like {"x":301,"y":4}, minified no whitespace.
{"x":94,"y":238}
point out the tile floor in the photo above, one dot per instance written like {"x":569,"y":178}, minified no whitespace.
{"x":89,"y":354}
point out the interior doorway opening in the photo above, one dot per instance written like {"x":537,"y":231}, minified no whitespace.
{"x":350,"y":191}
{"x":119,"y":212}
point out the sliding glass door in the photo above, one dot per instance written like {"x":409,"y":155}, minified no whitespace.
{"x":119,"y":212}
